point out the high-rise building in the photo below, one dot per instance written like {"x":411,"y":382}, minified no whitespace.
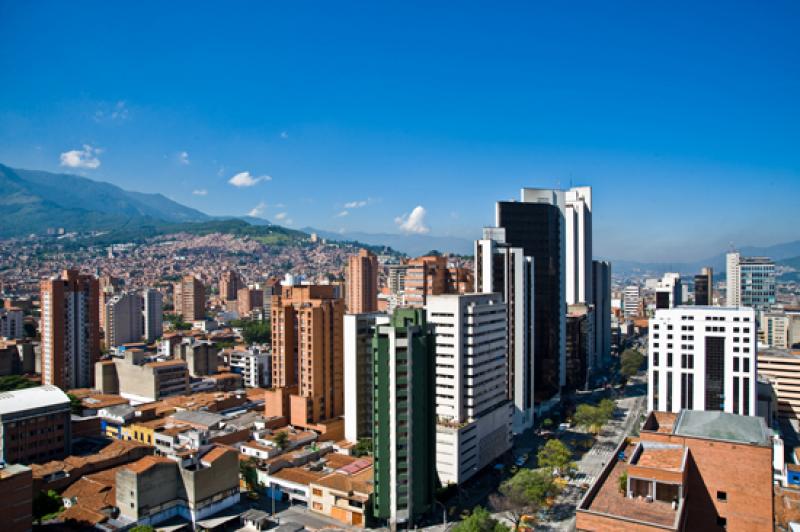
{"x":631,"y":301}
{"x":580,"y":345}
{"x":11,"y":323}
{"x":704,"y":288}
{"x":153,"y":314}
{"x":190,"y":298}
{"x":124,"y":319}
{"x":669,"y":291}
{"x":506,"y":270}
{"x":536,"y":224}
{"x":473,"y":413}
{"x":70,"y":328}
{"x":775,"y":330}
{"x":425,"y":276}
{"x":359,"y":330}
{"x":229,"y":285}
{"x":248,"y":300}
{"x":404,"y":438}
{"x":361,"y":283}
{"x":601,"y":284}
{"x":108,"y":286}
{"x":750,"y":281}
{"x":578,"y":218}
{"x":307,"y":361}
{"x":703,"y":358}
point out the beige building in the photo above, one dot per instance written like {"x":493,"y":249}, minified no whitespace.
{"x":140,"y":381}
{"x":229,"y":285}
{"x":190,"y":298}
{"x":307,"y":361}
{"x":344,"y":494}
{"x":70,"y":328}
{"x":249,"y":299}
{"x":782,"y":369}
{"x":361,"y":283}
{"x":201,"y":356}
{"x":156,"y":488}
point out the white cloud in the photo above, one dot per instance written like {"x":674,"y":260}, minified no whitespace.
{"x":245,"y":179}
{"x":183,"y":157}
{"x":288,"y":222}
{"x":281,"y":215}
{"x":342,"y":214}
{"x":258,"y":210}
{"x":284,"y":134}
{"x":200,"y":192}
{"x":414,"y":222}
{"x":115,"y":113}
{"x":85,"y":158}
{"x":355,"y":204}
{"x":120,"y":111}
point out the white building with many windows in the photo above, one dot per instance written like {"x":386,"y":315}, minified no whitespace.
{"x":703,"y":358}
{"x":473,"y":413}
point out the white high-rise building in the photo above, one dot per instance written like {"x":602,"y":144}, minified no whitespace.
{"x":11,"y":323}
{"x":578,"y":218}
{"x":669,"y":292}
{"x":506,"y":270}
{"x":750,"y":281}
{"x":473,"y":413}
{"x":703,"y":358}
{"x":253,"y":364}
{"x":124,"y":321}
{"x":631,"y":299}
{"x":153,"y":315}
{"x":358,"y":368}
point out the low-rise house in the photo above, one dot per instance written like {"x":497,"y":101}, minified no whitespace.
{"x":345,"y":494}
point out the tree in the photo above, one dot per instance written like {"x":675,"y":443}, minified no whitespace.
{"x":524,"y":494}
{"x":363,"y":447}
{"x":623,"y":482}
{"x":142,"y":528}
{"x":177,"y":322}
{"x":607,"y":408}
{"x":15,"y":382}
{"x":547,"y":423}
{"x":281,"y":439}
{"x":75,"y":404}
{"x":247,"y":470}
{"x":46,"y":504}
{"x":590,"y":417}
{"x":555,"y":456}
{"x":631,"y":362}
{"x":257,"y":332}
{"x":480,"y":521}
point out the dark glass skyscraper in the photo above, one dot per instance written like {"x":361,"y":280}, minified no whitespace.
{"x":536,"y":224}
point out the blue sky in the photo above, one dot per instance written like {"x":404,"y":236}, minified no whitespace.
{"x":683,"y":117}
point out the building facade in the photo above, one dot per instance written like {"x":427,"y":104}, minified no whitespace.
{"x":190,"y":298}
{"x":669,"y":291}
{"x":361,"y":283}
{"x":124,"y":319}
{"x":35,"y":425}
{"x":536,"y":224}
{"x":631,"y":301}
{"x":704,"y":288}
{"x":750,"y":281}
{"x":229,"y":285}
{"x":358,"y":367}
{"x":404,"y":418}
{"x":153,"y":314}
{"x":473,"y":413}
{"x":703,"y":358}
{"x":11,"y":323}
{"x":70,"y":329}
{"x":601,"y":284}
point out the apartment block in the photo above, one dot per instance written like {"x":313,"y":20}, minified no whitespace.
{"x":669,"y":291}
{"x":431,"y":275}
{"x":361,"y":283}
{"x":704,"y":287}
{"x":11,"y":323}
{"x":781,"y":368}
{"x":124,"y":319}
{"x":70,"y":329}
{"x":506,"y":270}
{"x":703,"y":358}
{"x":632,"y":301}
{"x":307,"y":362}
{"x":709,"y":471}
{"x":153,"y":315}
{"x":201,"y":356}
{"x":35,"y":425}
{"x":473,"y":413}
{"x":229,"y":285}
{"x":404,"y":418}
{"x":359,"y":330}
{"x":580,"y":339}
{"x":253,"y":364}
{"x":190,"y":298}
{"x":248,"y":300}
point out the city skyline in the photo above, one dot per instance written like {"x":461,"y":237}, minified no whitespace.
{"x":275,"y":113}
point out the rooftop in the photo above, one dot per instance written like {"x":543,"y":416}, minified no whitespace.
{"x":722,"y":426}
{"x":198,"y":417}
{"x":38,"y":397}
{"x":793,"y":354}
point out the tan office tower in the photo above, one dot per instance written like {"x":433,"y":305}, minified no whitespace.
{"x":190,"y":298}
{"x":229,"y":285}
{"x":70,"y":329}
{"x":307,"y":360}
{"x":361,"y":283}
{"x":431,"y":276}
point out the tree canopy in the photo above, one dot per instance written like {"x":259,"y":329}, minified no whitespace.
{"x":555,"y":456}
{"x":480,"y":521}
{"x":631,"y":361}
{"x":524,"y":494}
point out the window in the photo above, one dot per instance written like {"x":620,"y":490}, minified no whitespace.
{"x":722,"y":496}
{"x":722,"y":522}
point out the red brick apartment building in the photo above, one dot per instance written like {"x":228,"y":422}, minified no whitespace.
{"x":708,"y":471}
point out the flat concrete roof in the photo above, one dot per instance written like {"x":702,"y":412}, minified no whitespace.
{"x":722,"y":426}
